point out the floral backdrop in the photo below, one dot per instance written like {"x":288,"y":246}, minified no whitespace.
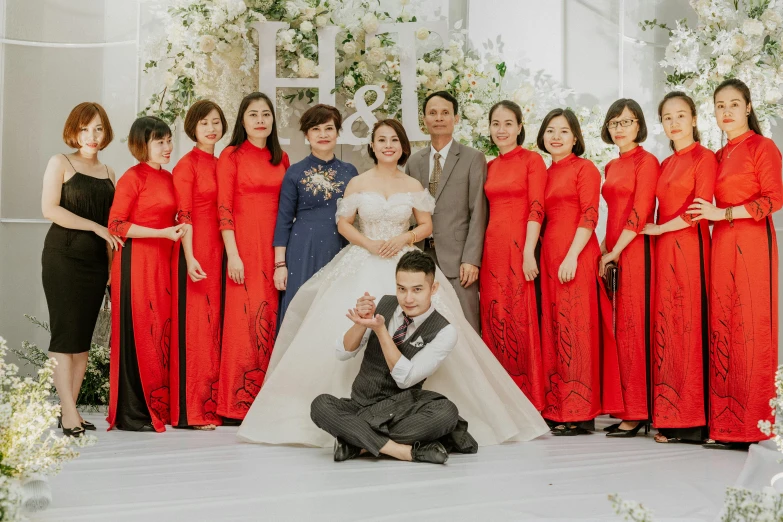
{"x":732,"y":39}
{"x":209,"y":50}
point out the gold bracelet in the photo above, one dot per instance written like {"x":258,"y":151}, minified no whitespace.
{"x":413,"y":237}
{"x":730,"y":216}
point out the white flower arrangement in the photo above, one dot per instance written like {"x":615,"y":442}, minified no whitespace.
{"x":209,"y":51}
{"x":28,"y":445}
{"x":733,"y":39}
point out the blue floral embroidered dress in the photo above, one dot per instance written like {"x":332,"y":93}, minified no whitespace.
{"x":306,"y":223}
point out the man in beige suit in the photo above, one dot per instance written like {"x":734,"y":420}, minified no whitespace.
{"x":455,"y":176}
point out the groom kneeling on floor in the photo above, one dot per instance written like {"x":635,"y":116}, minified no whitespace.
{"x":388,"y":411}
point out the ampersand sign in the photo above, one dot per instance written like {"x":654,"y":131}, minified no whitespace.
{"x":364,"y":112}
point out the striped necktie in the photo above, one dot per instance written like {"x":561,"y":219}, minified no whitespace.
{"x":402,"y":331}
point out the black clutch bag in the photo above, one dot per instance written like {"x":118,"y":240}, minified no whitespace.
{"x":611,"y":278}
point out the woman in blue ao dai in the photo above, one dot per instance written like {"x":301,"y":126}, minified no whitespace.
{"x":306,"y":235}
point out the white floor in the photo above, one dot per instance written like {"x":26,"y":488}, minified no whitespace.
{"x":190,"y":475}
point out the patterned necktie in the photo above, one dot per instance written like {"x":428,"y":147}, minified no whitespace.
{"x":402,"y":331}
{"x":437,"y":170}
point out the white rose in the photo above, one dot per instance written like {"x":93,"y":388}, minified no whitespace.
{"x":321,"y":20}
{"x":310,"y":13}
{"x":474,"y":112}
{"x":524,"y":94}
{"x":370,"y":23}
{"x":423,"y":33}
{"x":772,"y":95}
{"x":724,"y":64}
{"x":753,"y":27}
{"x":448,"y":76}
{"x":349,"y":82}
{"x":306,"y":27}
{"x":376,"y":55}
{"x":405,"y":16}
{"x":771,"y":19}
{"x":207,"y":43}
{"x":349,"y":48}
{"x":421,"y":80}
{"x":306,"y":67}
{"x":374,"y":42}
{"x":738,"y":43}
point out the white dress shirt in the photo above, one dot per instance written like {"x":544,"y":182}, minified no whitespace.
{"x":408,"y":372}
{"x":444,"y":152}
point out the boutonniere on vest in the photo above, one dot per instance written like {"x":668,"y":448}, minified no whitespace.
{"x":418,"y":343}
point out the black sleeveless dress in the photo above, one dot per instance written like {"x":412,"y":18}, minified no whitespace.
{"x":75,"y":265}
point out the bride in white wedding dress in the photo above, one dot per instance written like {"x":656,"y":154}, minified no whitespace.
{"x":303,"y":364}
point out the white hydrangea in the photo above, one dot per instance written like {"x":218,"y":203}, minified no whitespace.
{"x":349,"y":48}
{"x":374,"y":42}
{"x":349,"y":81}
{"x":321,"y":20}
{"x":376,"y":55}
{"x":306,"y":27}
{"x":772,"y":20}
{"x":724,"y":64}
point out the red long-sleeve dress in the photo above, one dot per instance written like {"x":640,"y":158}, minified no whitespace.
{"x":195,"y":338}
{"x":629,"y":192}
{"x":509,"y":315}
{"x":744,"y":297}
{"x":141,"y":301}
{"x":570,"y":336}
{"x":248,"y":194}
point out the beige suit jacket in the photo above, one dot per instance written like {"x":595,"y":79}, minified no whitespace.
{"x":460,"y":216}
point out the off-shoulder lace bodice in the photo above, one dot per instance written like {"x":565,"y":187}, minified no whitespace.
{"x":382,"y":218}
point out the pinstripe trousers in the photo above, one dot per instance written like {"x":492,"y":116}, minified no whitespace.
{"x":410,"y":416}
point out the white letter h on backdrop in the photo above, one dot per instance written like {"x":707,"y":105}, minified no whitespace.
{"x":268,"y":82}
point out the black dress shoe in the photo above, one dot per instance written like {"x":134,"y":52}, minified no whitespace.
{"x":620,"y":433}
{"x":433,"y":452}
{"x":612,"y":427}
{"x":146,"y":427}
{"x":344,"y":451}
{"x":77,"y":431}
{"x":87,"y":425}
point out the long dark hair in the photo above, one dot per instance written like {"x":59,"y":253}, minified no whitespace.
{"x":239,"y":136}
{"x":689,"y":101}
{"x":513,"y":107}
{"x":753,"y":121}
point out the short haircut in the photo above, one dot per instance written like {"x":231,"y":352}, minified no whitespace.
{"x":82,"y":115}
{"x":318,"y":115}
{"x":144,"y":130}
{"x":617,"y":109}
{"x":417,"y":261}
{"x":397,"y":127}
{"x":441,"y":94}
{"x":573,"y":123}
{"x":197,"y":112}
{"x":517,"y":110}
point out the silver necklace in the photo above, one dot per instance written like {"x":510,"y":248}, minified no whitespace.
{"x":738,"y":144}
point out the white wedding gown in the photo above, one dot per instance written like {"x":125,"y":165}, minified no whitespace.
{"x":303,"y":363}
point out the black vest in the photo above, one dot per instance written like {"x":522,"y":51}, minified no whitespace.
{"x":374,"y":382}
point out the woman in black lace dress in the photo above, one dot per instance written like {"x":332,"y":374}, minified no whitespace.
{"x":77,"y":194}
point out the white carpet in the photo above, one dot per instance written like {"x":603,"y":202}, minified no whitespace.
{"x":191,"y":475}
